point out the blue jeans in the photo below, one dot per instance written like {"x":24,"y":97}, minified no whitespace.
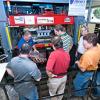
{"x":81,"y":81}
{"x":32,"y":96}
{"x":97,"y":89}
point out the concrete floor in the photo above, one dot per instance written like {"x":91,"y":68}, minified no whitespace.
{"x":11,"y":94}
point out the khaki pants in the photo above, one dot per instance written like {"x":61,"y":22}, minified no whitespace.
{"x":57,"y":86}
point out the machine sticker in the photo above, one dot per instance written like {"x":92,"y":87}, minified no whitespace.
{"x":19,"y":19}
{"x":67,"y":20}
{"x":29,"y":20}
{"x":45,"y":20}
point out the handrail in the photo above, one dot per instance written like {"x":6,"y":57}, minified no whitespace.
{"x":39,"y":83}
{"x":3,"y":57}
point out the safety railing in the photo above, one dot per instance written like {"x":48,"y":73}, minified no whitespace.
{"x":38,"y":84}
{"x":3,"y":58}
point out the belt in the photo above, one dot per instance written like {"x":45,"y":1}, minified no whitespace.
{"x":61,"y":74}
{"x":91,"y":70}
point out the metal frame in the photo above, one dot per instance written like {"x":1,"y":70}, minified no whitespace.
{"x":46,"y":1}
{"x":4,"y":22}
{"x":3,"y":25}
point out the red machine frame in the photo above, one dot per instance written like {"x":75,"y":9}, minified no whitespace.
{"x":44,"y":19}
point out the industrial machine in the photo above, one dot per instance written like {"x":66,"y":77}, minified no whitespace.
{"x":36,"y":16}
{"x":39,"y":17}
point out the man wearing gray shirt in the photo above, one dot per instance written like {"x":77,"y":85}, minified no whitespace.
{"x":24,"y":71}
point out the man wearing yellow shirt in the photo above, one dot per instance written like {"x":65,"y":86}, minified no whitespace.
{"x":87,"y":64}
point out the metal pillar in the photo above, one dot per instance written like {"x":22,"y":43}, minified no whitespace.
{"x":3,"y":24}
{"x":79,"y":20}
{"x":89,"y":12}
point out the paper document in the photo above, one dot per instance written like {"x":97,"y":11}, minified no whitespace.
{"x":2,"y":70}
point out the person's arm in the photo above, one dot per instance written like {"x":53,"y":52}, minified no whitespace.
{"x":36,"y":74}
{"x":81,"y":68}
{"x":85,"y":62}
{"x":50,"y":65}
{"x":35,"y":49}
{"x":33,"y":45}
{"x":71,"y":44}
{"x":9,"y":71}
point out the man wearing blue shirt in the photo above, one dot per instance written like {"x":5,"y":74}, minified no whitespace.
{"x":27,"y":38}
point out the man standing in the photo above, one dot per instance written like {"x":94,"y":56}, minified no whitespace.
{"x":24,"y":71}
{"x":56,"y":68}
{"x":67,"y":39}
{"x":87,"y":64}
{"x":27,"y":38}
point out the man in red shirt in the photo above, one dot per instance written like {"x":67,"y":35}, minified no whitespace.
{"x":56,"y":68}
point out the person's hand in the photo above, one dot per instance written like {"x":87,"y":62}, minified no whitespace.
{"x":50,"y":74}
{"x":81,"y":68}
{"x":35,"y":50}
{"x":77,"y":62}
{"x":53,"y":75}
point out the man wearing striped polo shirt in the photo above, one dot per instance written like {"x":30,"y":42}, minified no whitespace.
{"x":67,"y":39}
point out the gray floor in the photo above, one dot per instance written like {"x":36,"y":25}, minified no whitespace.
{"x":2,"y":95}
